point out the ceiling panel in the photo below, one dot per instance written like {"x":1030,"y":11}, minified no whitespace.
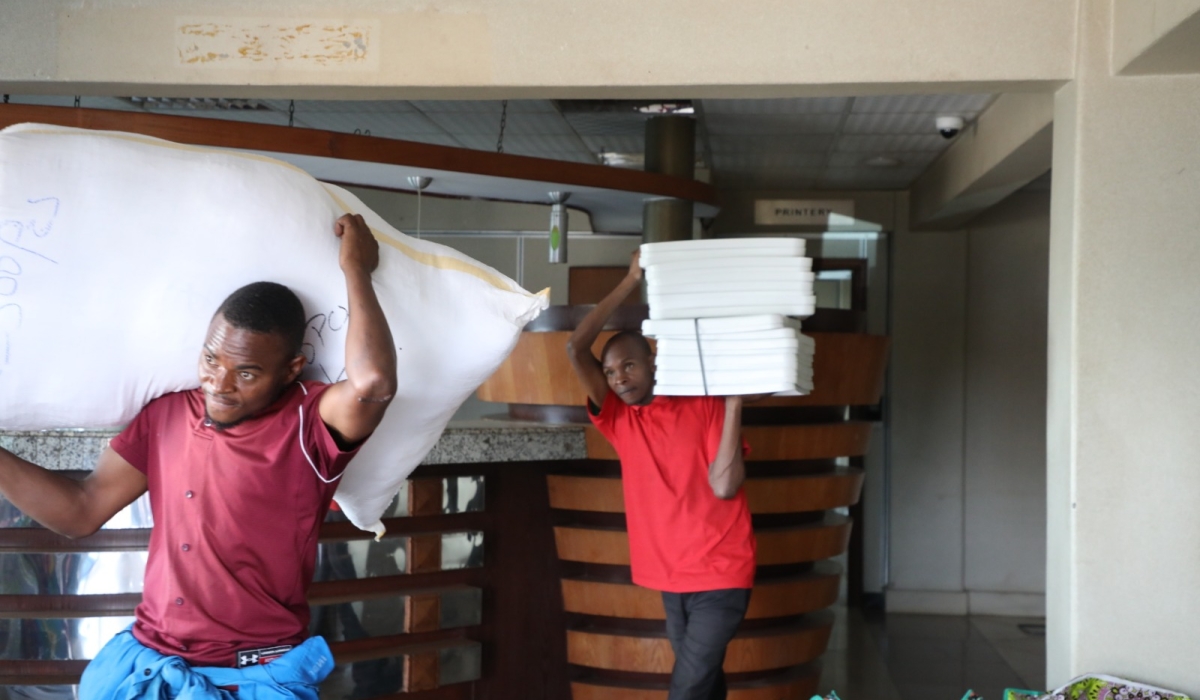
{"x":868,"y":178}
{"x":908,"y":159}
{"x":743,"y":160}
{"x":880,"y":123}
{"x":768,"y":180}
{"x":773,"y":172}
{"x":616,"y":143}
{"x":901,"y":104}
{"x":116,"y":103}
{"x":607,"y":123}
{"x":484,"y":106}
{"x":800,"y":105}
{"x":891,"y":143}
{"x":769,"y":144}
{"x":524,"y":123}
{"x":772,"y":123}
{"x":557,"y":147}
{"x":388,"y":125}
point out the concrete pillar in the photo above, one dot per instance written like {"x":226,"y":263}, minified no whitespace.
{"x":1123,"y":490}
{"x":670,"y":150}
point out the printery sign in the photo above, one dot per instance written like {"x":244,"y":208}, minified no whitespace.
{"x":803,"y":212}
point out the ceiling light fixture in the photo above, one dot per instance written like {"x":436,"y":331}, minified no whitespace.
{"x":558,"y":226}
{"x":622,"y":160}
{"x":667,"y":108}
{"x":635,"y":160}
{"x":419,"y":183}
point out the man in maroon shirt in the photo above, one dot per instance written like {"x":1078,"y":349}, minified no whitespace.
{"x":240,"y":472}
{"x":682,"y":469}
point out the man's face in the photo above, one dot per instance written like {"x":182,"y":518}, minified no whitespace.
{"x":629,"y":370}
{"x":242,"y":372}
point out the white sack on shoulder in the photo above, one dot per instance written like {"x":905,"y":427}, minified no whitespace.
{"x":115,"y":250}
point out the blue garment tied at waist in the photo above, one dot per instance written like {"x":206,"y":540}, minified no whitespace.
{"x":126,"y":670}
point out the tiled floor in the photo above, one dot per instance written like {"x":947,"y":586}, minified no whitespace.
{"x":930,"y":657}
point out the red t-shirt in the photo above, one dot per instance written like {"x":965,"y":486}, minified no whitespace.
{"x":236,"y":519}
{"x":682,"y":538}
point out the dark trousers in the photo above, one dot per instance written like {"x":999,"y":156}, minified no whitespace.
{"x":700,"y":626}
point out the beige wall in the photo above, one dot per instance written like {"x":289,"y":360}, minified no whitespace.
{"x":968,"y":415}
{"x":1005,"y":431}
{"x":927,"y":421}
{"x":545,"y":48}
{"x":1124,"y":382}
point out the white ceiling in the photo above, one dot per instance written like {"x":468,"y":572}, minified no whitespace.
{"x":782,"y":144}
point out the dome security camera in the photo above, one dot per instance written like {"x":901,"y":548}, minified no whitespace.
{"x":949,"y":127}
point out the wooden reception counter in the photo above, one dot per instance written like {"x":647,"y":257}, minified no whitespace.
{"x":504,"y":572}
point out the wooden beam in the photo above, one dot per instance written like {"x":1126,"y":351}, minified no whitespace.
{"x":219,"y":133}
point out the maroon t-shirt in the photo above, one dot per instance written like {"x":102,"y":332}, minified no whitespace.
{"x":236,"y":518}
{"x":682,"y":538}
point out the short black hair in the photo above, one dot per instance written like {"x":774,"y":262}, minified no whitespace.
{"x":267,"y":307}
{"x":632,"y":336}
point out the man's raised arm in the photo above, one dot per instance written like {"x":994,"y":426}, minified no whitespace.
{"x":66,"y":506}
{"x":728,"y":470}
{"x":353,"y":407}
{"x":579,"y":346}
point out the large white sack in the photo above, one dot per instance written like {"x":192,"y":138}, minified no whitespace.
{"x":115,"y":250}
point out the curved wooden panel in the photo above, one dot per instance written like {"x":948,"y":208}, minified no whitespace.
{"x":592,"y":546}
{"x":778,"y":545}
{"x":805,"y":543}
{"x":368,"y":149}
{"x":784,"y":494}
{"x":820,"y":441}
{"x":770,"y":443}
{"x":848,"y":370}
{"x":755,"y":650}
{"x":798,"y":595}
{"x":591,"y":493}
{"x":611,"y":599}
{"x":779,"y":598}
{"x":804,"y":493}
{"x":794,"y":684}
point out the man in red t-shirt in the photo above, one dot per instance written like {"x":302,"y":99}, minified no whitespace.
{"x":240,"y":474}
{"x":690,"y":534}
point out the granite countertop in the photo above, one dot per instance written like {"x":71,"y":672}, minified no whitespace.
{"x":462,"y":443}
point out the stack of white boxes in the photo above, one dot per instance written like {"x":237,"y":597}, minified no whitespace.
{"x":725,"y":313}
